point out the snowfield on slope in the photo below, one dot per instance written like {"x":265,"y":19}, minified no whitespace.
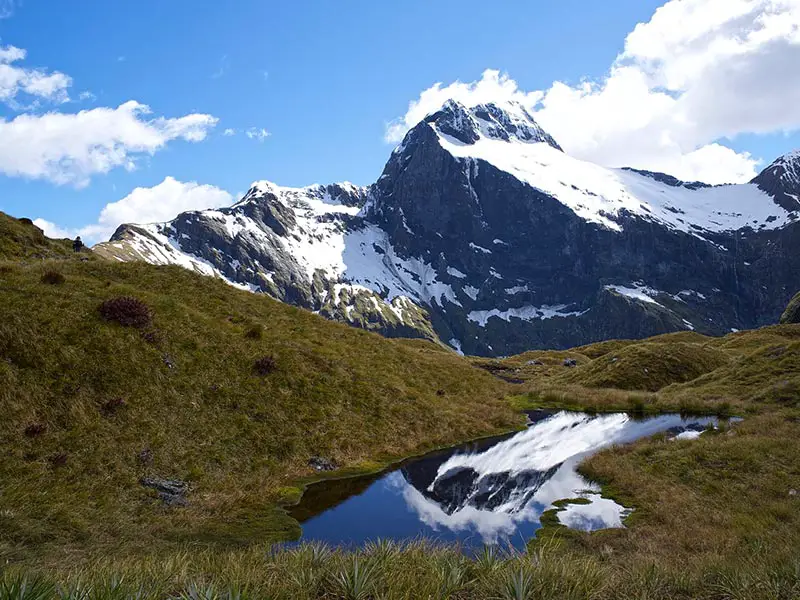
{"x":599,"y":194}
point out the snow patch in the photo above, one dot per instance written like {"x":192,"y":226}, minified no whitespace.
{"x":525,"y":313}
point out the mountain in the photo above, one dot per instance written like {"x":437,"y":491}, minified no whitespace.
{"x":483,"y":232}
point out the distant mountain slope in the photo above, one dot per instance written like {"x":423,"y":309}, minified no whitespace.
{"x":483,"y":232}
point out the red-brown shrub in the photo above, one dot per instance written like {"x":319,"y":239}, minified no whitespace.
{"x":35,"y":429}
{"x":52,"y":277}
{"x":265,"y":365}
{"x":127,"y":311}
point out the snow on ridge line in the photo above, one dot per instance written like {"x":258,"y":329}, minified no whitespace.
{"x":524,"y":313}
{"x":639,"y":292}
{"x":600,"y":195}
{"x":161,"y":249}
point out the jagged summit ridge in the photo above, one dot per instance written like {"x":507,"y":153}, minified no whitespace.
{"x":509,"y":121}
{"x":781,"y":180}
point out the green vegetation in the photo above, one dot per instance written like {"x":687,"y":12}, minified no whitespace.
{"x":792,"y":312}
{"x":125,"y":371}
{"x":417,"y":570}
{"x":20,"y":239}
{"x":233,"y":393}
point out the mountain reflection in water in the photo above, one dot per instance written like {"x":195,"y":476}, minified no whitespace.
{"x":489,"y":492}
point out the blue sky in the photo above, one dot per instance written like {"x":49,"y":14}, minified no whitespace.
{"x":323,"y":78}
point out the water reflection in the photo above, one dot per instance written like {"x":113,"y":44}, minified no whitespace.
{"x":486,"y":493}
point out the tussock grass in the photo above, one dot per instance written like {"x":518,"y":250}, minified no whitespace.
{"x":408,"y":571}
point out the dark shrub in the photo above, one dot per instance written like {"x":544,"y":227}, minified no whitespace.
{"x":145,"y":457}
{"x":57,"y":460}
{"x":110,"y":407}
{"x":6,"y":269}
{"x":265,"y":365}
{"x":440,"y":392}
{"x":152,"y":337}
{"x":52,"y":277}
{"x":254,"y":332}
{"x":35,"y":429}
{"x":127,"y":311}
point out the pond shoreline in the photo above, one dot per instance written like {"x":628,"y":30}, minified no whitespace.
{"x":327,"y":496}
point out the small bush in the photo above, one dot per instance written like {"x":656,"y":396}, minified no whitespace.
{"x":110,"y":407}
{"x":152,"y":337}
{"x":52,"y":277}
{"x":35,"y":429}
{"x":254,"y":332}
{"x":127,"y":311}
{"x":145,"y":457}
{"x":265,"y":365}
{"x":59,"y":459}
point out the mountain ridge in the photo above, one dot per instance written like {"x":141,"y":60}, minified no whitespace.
{"x":482,"y":232}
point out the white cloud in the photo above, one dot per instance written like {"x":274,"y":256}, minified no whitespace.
{"x":229,"y":132}
{"x":255,"y":133}
{"x":7,"y":8}
{"x":52,"y":230}
{"x":33,"y":82}
{"x":70,"y":148}
{"x":155,"y":204}
{"x":698,"y":72}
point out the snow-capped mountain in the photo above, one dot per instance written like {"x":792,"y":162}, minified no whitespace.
{"x":482,"y":231}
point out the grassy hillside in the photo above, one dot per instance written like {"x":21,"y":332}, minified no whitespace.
{"x":229,"y":391}
{"x":20,"y":239}
{"x":234,"y":393}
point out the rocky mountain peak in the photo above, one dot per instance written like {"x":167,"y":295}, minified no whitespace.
{"x":781,"y":180}
{"x":508,"y":121}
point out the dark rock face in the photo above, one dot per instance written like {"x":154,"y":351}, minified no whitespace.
{"x":454,"y":247}
{"x":781,"y":180}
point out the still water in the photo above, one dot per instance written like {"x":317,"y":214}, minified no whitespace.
{"x":488,"y":492}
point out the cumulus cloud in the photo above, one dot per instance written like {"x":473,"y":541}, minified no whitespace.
{"x":36,"y":83}
{"x":71,"y":148}
{"x":256,"y":133}
{"x":155,"y":204}
{"x":697,"y":73}
{"x":229,"y":132}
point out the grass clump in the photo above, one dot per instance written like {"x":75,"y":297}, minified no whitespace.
{"x":254,"y":331}
{"x":53,"y":277}
{"x":127,"y":311}
{"x":265,"y":365}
